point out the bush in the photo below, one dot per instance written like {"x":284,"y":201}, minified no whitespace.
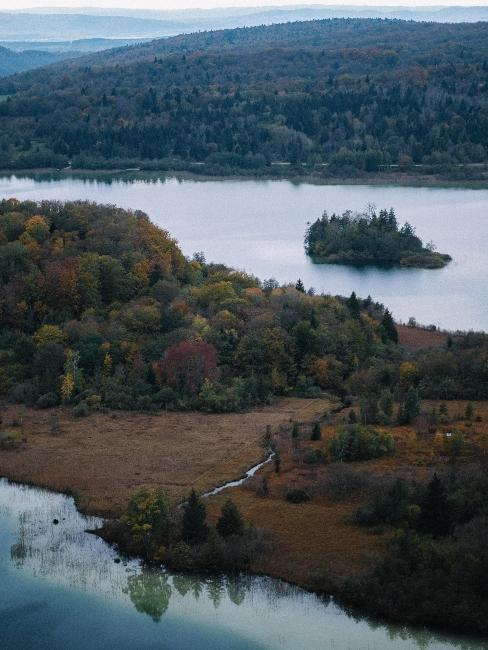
{"x":47,"y":401}
{"x":297,"y":496}
{"x":314,"y":457}
{"x":355,"y":442}
{"x":81,"y":410}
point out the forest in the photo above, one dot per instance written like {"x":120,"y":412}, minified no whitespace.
{"x":369,"y":238}
{"x":334,"y":97}
{"x":100,"y":309}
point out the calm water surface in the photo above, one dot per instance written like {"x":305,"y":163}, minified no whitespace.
{"x":259,"y":225}
{"x":62,"y":588}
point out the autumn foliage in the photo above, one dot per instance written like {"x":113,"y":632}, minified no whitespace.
{"x":186,"y":365}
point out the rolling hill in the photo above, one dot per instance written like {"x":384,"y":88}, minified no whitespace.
{"x":355,"y":95}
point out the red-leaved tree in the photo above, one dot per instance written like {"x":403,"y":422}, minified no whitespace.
{"x":186,"y":365}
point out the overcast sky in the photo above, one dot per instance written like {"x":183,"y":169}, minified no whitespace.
{"x":12,"y":5}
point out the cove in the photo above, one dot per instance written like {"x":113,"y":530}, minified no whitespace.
{"x":61,"y":587}
{"x":259,"y":225}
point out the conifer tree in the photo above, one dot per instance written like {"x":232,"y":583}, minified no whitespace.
{"x":230,"y":521}
{"x":316,"y":432}
{"x":388,"y":326}
{"x":195,"y":529}
{"x":300,"y":286}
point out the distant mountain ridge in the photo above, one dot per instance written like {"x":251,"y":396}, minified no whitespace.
{"x":12,"y":62}
{"x":70,"y":24}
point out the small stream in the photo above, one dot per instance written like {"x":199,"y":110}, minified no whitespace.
{"x":249,"y":474}
{"x":62,"y":588}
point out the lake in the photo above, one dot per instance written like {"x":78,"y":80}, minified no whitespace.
{"x":63,"y":588}
{"x":259,"y":226}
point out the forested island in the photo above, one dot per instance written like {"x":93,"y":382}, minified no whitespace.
{"x":369,"y":238}
{"x":113,"y":343}
{"x":332,"y":98}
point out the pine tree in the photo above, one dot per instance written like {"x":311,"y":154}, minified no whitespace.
{"x":277,"y":463}
{"x":469,"y":412}
{"x":316,"y":432}
{"x":353,"y":305}
{"x":435,"y":515}
{"x":389,"y":328}
{"x":195,"y":529}
{"x":295,"y":430}
{"x":300,"y":286}
{"x":230,"y":521}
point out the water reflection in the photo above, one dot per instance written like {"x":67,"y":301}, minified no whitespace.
{"x":44,"y":563}
{"x":259,"y":225}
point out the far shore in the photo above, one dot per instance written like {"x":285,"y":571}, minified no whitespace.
{"x":401,"y":179}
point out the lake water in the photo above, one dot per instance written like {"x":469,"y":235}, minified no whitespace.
{"x":64,"y":589}
{"x":259,"y":225}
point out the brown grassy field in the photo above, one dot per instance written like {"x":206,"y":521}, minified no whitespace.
{"x":418,"y":338}
{"x":104,"y":458}
{"x":317,"y":544}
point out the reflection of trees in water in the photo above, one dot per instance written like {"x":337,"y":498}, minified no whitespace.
{"x":215,"y":589}
{"x":187,"y":582}
{"x":236,"y":589}
{"x":150,"y":593}
{"x":66,"y":555}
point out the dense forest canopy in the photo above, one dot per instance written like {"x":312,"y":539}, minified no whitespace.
{"x":369,"y":238}
{"x":98,"y":307}
{"x":341,"y":96}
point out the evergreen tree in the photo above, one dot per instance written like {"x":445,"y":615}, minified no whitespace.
{"x":300,"y":286}
{"x":316,"y":432}
{"x":469,"y":413}
{"x":352,"y":418}
{"x":435,"y":515}
{"x":389,"y":328}
{"x":195,"y":529}
{"x":295,"y":430}
{"x":277,"y":463}
{"x":410,"y":407}
{"x":230,"y":521}
{"x":353,"y":305}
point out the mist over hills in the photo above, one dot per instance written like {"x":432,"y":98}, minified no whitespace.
{"x":12,"y":62}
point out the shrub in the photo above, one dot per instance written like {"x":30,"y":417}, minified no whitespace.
{"x":94,"y":402}
{"x":356,"y":442}
{"x":81,"y":410}
{"x":48,"y":400}
{"x":314,"y":457}
{"x":297,"y":496}
{"x":181,"y":557}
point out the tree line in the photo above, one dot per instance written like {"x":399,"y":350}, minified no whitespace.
{"x":338,"y":96}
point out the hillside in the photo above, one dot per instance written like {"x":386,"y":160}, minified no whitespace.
{"x":341,"y":96}
{"x":12,"y":62}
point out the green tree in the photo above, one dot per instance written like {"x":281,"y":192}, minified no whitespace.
{"x":299,"y":286}
{"x":316,"y":432}
{"x":409,"y":407}
{"x":195,"y":529}
{"x":388,"y":327}
{"x":435,"y":514}
{"x":230,"y":521}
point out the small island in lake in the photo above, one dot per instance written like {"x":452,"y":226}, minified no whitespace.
{"x":370,"y":238}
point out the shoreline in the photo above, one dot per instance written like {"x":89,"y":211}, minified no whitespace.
{"x":393,"y":179}
{"x":334,"y":593}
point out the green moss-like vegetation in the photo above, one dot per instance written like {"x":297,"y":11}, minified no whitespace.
{"x":369,"y":238}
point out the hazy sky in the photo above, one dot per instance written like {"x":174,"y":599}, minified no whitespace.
{"x":12,"y":5}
